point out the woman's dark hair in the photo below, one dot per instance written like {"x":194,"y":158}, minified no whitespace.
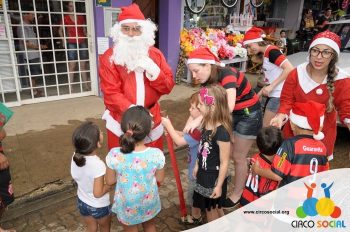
{"x":85,"y":140}
{"x":214,"y":74}
{"x":269,"y":139}
{"x":65,"y":5}
{"x":136,"y":124}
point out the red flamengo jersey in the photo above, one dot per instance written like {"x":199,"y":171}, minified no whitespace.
{"x":257,"y":186}
{"x":297,"y":156}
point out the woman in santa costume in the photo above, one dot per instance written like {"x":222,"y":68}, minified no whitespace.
{"x":133,"y":72}
{"x":276,"y":68}
{"x":322,"y":81}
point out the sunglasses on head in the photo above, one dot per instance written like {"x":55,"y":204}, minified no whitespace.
{"x":205,"y":98}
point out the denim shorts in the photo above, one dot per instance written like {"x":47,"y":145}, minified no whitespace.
{"x":35,"y":69}
{"x":73,"y":54}
{"x":272,"y":104}
{"x":97,"y":213}
{"x":247,"y":125}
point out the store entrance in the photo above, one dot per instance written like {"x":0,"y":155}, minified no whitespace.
{"x":150,"y":10}
{"x":44,"y":52}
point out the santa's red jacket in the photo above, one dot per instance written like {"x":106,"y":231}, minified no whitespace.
{"x":122,"y":90}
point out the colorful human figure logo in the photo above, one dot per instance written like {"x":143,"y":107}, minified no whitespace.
{"x":323,"y":206}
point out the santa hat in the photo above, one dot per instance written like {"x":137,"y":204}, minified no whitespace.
{"x":309,"y":115}
{"x":131,"y":14}
{"x":327,"y":38}
{"x":253,"y":35}
{"x":203,"y":56}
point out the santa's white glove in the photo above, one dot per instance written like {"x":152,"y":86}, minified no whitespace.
{"x":151,"y":68}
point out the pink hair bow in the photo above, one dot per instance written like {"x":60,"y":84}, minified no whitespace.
{"x":207,"y":99}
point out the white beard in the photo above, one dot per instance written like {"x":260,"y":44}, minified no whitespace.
{"x":129,"y":51}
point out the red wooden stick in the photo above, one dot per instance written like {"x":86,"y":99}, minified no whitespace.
{"x":173,"y":161}
{"x":176,"y":174}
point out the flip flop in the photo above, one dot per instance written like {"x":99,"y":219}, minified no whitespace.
{"x":190,"y":220}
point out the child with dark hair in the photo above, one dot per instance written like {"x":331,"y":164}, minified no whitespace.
{"x":88,"y":170}
{"x":269,"y":139}
{"x":136,"y":169}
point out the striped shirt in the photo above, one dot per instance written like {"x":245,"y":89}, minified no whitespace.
{"x":297,"y":156}
{"x":273,"y":60}
{"x":257,"y":186}
{"x":245,"y":95}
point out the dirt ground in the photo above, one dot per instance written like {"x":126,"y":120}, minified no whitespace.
{"x":44,"y":153}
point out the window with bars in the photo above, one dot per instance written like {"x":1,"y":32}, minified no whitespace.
{"x":48,"y":42}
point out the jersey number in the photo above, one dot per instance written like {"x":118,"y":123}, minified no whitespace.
{"x":253,"y":182}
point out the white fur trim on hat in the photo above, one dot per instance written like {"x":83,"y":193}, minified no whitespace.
{"x":203,"y":61}
{"x":318,"y":136}
{"x":131,"y":21}
{"x":252,"y":41}
{"x":302,"y":122}
{"x":327,"y":42}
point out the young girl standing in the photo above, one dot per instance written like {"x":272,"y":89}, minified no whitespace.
{"x":136,"y":169}
{"x":213,"y":153}
{"x":88,"y":170}
{"x":276,"y":68}
{"x":243,"y":104}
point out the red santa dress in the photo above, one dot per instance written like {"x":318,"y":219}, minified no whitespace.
{"x":299,"y":87}
{"x":122,"y":89}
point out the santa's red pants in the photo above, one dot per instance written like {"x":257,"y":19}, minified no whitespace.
{"x":113,"y":141}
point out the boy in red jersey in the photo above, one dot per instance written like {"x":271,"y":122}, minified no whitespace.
{"x":304,"y":154}
{"x":269,"y":139}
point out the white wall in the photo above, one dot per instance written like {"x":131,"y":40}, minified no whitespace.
{"x":293,"y":16}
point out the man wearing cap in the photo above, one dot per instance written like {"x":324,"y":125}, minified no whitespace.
{"x":319,"y":80}
{"x":133,"y":72}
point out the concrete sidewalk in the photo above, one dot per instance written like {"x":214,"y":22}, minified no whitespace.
{"x":38,"y":142}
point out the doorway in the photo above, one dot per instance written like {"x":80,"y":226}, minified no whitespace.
{"x":150,"y":10}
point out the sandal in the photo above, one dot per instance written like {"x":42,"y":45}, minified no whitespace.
{"x":190,"y":220}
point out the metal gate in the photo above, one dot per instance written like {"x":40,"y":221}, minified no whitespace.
{"x":46,"y":50}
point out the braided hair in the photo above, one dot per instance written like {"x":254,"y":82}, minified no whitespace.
{"x":332,"y":72}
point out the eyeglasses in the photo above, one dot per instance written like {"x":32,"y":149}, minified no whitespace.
{"x":325,"y":53}
{"x":207,"y":99}
{"x":134,"y":29}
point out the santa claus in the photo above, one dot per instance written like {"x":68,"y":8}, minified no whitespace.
{"x":133,"y":72}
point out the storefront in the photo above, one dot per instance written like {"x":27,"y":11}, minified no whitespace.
{"x":44,"y":56}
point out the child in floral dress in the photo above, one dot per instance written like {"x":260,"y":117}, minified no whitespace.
{"x":136,"y":169}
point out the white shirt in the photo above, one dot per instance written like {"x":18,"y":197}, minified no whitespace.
{"x":84,"y":176}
